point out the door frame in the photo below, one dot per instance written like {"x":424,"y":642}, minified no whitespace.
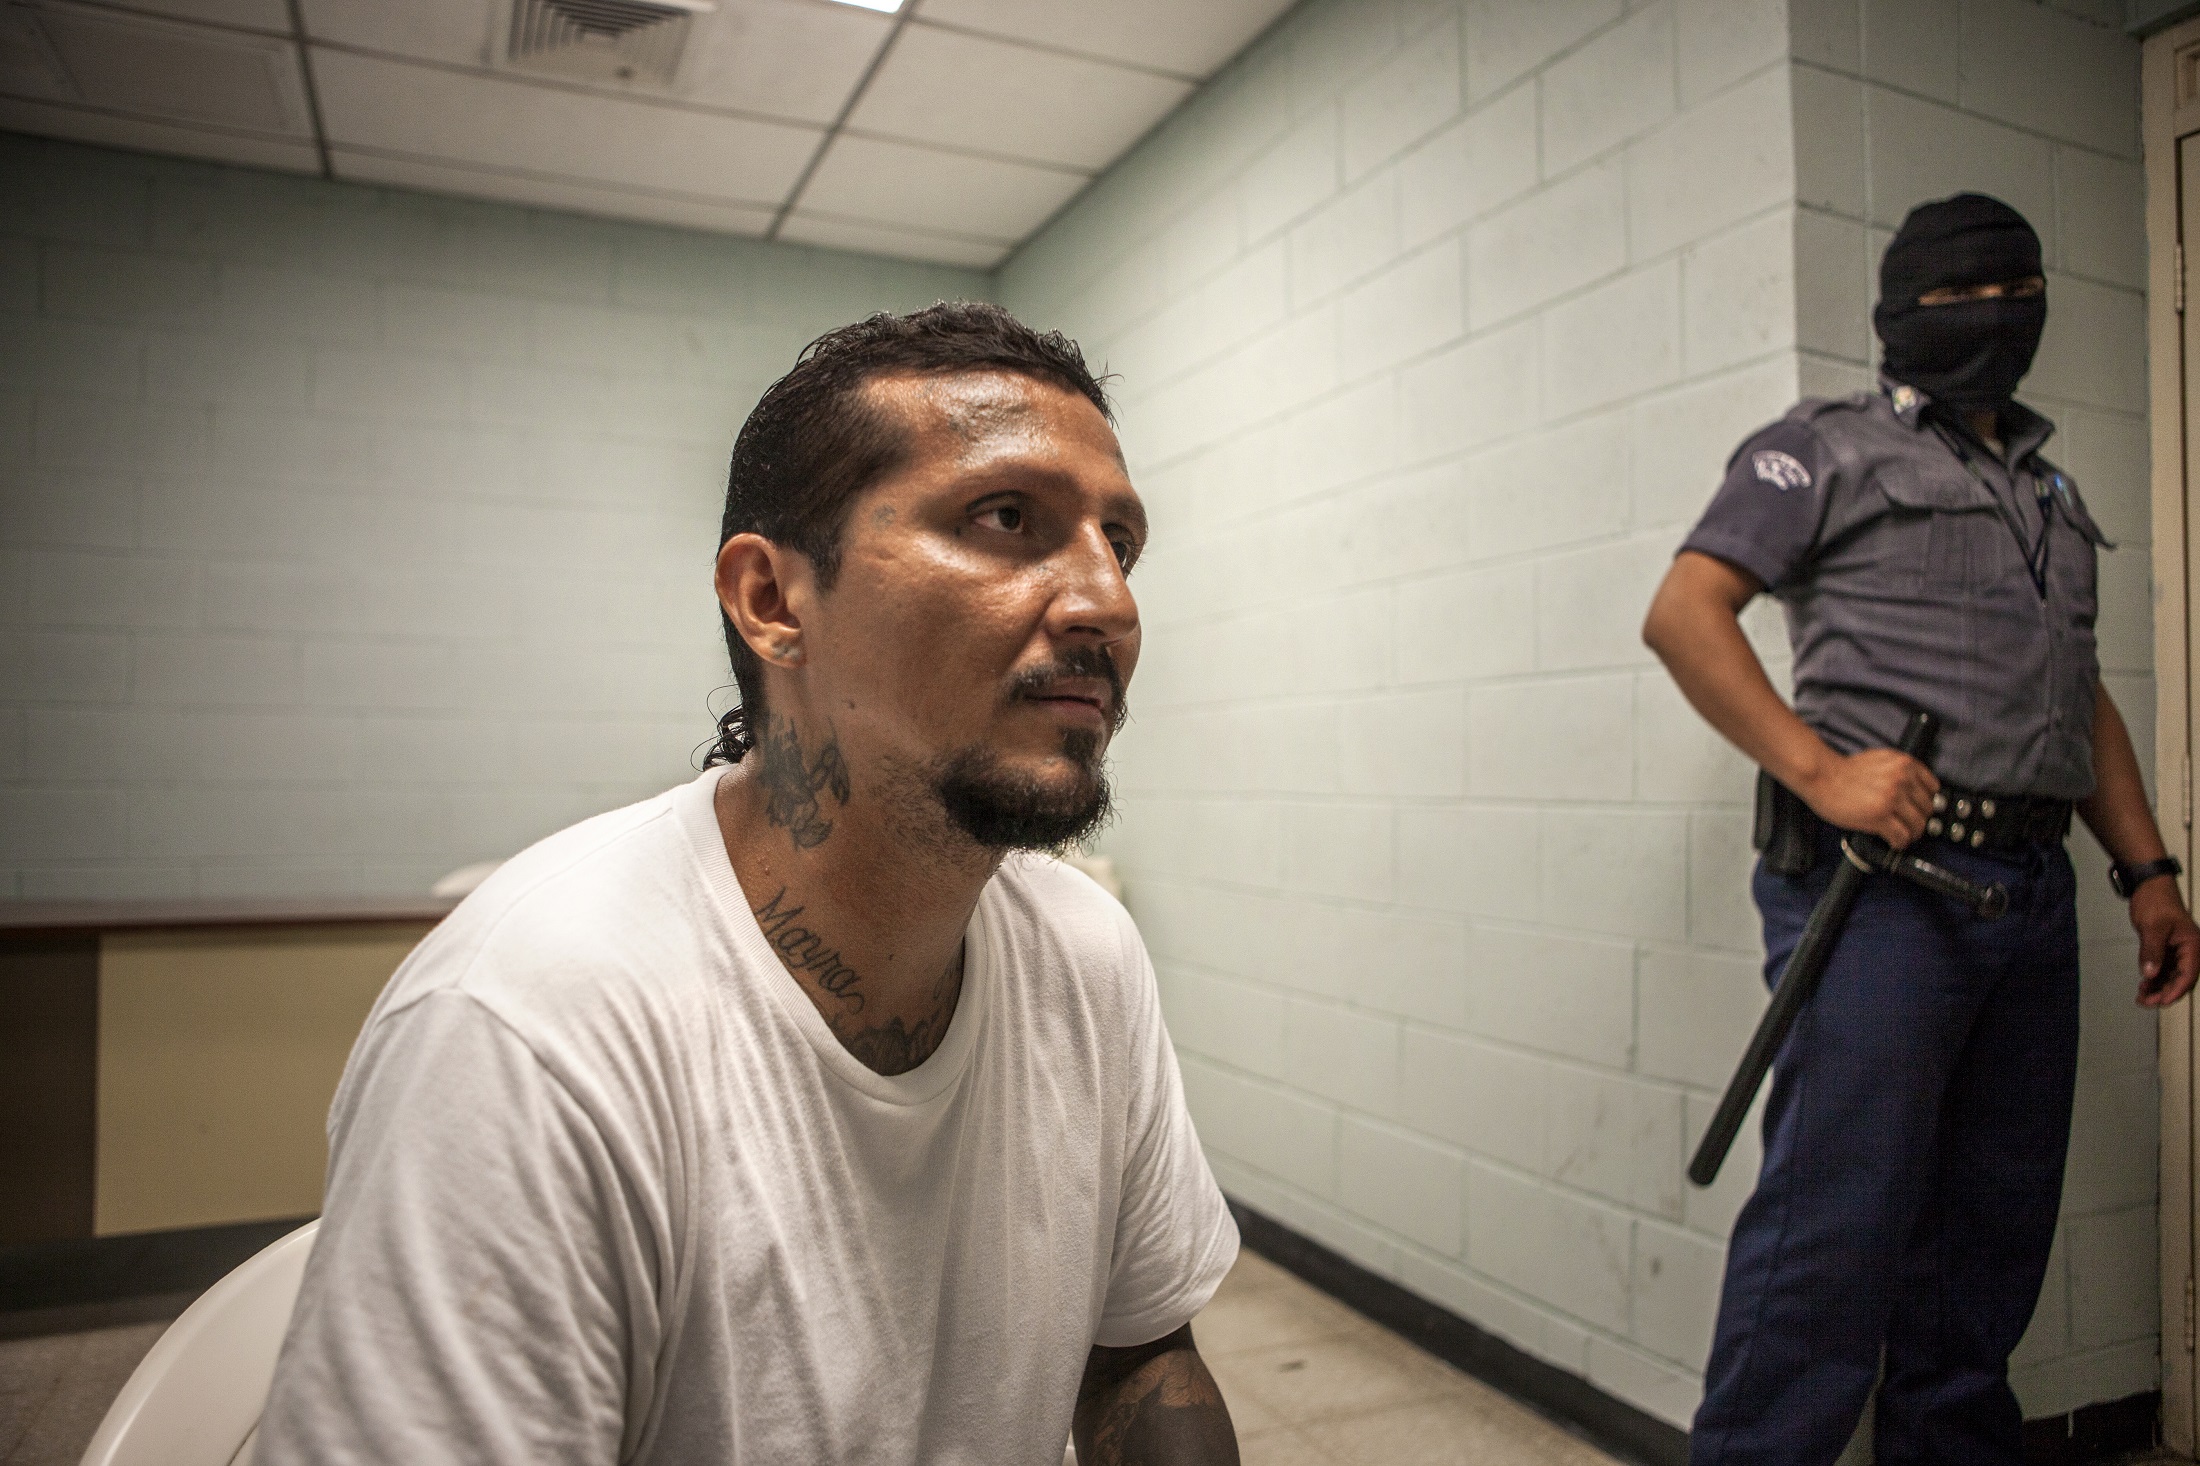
{"x":2169,"y":111}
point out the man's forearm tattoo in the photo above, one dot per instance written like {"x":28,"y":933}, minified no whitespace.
{"x":804,"y":951}
{"x":1165,"y":1409}
{"x":793,"y":784}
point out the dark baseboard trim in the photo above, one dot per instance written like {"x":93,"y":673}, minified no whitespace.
{"x":1566,"y":1399}
{"x":2100,"y":1432}
{"x":56,"y":1287}
{"x":2092,"y":1433}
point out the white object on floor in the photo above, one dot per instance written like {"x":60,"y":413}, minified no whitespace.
{"x":1102,"y":870}
{"x":195,"y":1399}
{"x":461,"y":882}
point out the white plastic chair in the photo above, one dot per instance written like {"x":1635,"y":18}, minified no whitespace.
{"x":461,"y":882}
{"x":196,"y":1399}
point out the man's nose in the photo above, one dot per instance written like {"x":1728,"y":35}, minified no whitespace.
{"x":1094,"y":599}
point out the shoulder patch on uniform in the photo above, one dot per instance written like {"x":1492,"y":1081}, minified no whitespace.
{"x":1783,"y":471}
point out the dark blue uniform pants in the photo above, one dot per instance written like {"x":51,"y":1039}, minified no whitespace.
{"x":1914,"y":1144}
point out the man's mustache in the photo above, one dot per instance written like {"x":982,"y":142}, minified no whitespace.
{"x":1077,"y":662}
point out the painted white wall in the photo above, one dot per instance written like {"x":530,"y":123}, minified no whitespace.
{"x":349,"y":535}
{"x":1435,"y":324}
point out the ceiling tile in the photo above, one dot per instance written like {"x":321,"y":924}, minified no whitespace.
{"x":949,"y":193}
{"x":986,"y":117}
{"x":883,"y":239}
{"x":784,"y":58}
{"x":551,"y":193}
{"x":1190,"y":39}
{"x":993,"y":96}
{"x":456,"y":31}
{"x":180,"y":73}
{"x":442,"y":116}
{"x":141,"y":135}
{"x":797,"y":59}
{"x":29,"y":64}
{"x":259,"y":15}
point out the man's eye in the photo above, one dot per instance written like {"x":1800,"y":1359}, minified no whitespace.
{"x":1126,"y":554}
{"x":1003,"y":517}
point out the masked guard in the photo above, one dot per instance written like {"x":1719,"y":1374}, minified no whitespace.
{"x":1929,"y":557}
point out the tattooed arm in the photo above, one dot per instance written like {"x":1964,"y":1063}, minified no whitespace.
{"x":1152,"y":1405}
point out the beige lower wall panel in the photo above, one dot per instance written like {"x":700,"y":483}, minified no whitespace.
{"x":218,"y":1054}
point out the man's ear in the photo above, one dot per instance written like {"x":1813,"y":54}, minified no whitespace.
{"x":762,"y":587}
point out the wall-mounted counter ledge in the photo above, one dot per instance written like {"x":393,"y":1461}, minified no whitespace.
{"x":169,"y":1064}
{"x":77,"y":918}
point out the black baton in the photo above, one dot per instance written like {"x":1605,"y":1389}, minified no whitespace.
{"x":1798,"y":980}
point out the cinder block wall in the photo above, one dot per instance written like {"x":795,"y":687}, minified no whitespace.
{"x":1436,"y":323}
{"x":349,"y":535}
{"x":1897,"y":102}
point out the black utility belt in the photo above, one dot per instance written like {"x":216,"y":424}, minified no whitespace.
{"x":1981,"y":821}
{"x":1787,"y":831}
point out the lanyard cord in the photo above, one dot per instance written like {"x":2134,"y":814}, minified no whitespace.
{"x":2035,"y":554}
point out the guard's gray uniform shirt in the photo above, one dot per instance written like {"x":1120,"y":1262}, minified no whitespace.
{"x":1904,"y":556}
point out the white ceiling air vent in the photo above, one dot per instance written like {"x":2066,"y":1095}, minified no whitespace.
{"x":603,"y":40}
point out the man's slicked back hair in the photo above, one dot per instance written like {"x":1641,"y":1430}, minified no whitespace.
{"x":814,"y":442}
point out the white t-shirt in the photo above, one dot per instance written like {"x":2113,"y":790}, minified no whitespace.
{"x":604,"y":1187}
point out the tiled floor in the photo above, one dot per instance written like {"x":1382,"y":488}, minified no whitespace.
{"x":1311,"y":1383}
{"x":54,"y":1388}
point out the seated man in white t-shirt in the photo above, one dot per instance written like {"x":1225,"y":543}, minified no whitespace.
{"x":808,"y":1112}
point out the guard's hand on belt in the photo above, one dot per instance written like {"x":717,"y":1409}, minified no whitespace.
{"x":1880,"y":791}
{"x":2169,"y":942}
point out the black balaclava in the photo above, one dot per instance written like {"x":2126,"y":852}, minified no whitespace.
{"x":1970,"y":354}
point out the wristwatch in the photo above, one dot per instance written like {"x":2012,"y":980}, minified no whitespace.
{"x":2128,"y":878}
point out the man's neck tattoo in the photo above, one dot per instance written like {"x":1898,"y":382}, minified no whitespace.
{"x":804,"y":951}
{"x":895,"y":1047}
{"x":892,"y":1047}
{"x":793,"y":783}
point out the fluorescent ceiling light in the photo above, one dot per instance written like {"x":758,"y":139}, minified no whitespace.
{"x":888,"y":6}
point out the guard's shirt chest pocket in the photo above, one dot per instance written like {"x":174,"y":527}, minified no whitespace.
{"x":2073,"y":570}
{"x":1944,"y":536}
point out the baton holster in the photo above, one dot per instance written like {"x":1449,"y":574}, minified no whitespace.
{"x":1786,"y":834}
